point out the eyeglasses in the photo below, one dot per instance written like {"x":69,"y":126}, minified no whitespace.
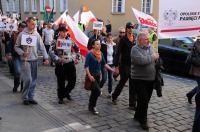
{"x":121,"y":32}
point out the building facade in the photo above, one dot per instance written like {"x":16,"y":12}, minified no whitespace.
{"x":10,"y":8}
{"x":119,"y":12}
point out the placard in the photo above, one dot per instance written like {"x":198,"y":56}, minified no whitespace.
{"x":29,"y":40}
{"x":64,"y":44}
{"x":97,"y":25}
{"x":11,"y":27}
{"x":2,"y":26}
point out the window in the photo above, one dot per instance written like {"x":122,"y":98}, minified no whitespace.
{"x":14,"y":3}
{"x":26,"y":5}
{"x":183,"y":43}
{"x":52,"y":4}
{"x":34,"y":6}
{"x":147,"y":6}
{"x":42,"y":5}
{"x":7,"y":5}
{"x":118,"y":6}
{"x":63,"y":5}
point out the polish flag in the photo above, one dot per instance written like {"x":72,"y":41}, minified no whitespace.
{"x":87,"y":17}
{"x":75,"y":17}
{"x":77,"y":35}
{"x":61,"y":19}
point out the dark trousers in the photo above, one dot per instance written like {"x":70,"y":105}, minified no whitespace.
{"x":144,"y":91}
{"x":124,"y":76}
{"x":196,"y":89}
{"x":95,"y":91}
{"x":65,"y":72}
{"x":196,"y":124}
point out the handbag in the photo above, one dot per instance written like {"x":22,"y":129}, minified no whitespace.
{"x":88,"y":83}
{"x":193,"y":58}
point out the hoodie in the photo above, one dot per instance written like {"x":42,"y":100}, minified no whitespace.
{"x":33,"y":50}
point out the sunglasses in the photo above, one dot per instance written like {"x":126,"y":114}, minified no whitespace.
{"x":121,"y":32}
{"x":130,"y":27}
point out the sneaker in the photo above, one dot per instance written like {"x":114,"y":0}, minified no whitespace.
{"x":93,"y":110}
{"x":33,"y":102}
{"x":26,"y":102}
{"x":61,"y":101}
{"x":113,"y":100}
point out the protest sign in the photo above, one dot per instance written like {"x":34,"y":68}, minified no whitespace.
{"x":11,"y":27}
{"x":64,"y":44}
{"x":179,"y":21}
{"x":29,"y":40}
{"x":2,"y":26}
{"x":97,"y":25}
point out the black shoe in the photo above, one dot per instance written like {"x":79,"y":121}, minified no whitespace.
{"x":113,"y":100}
{"x":145,"y":126}
{"x":93,"y":110}
{"x":33,"y":102}
{"x":61,"y":101}
{"x":14,"y":89}
{"x":26,"y":102}
{"x":189,"y":98}
{"x":136,"y":118}
{"x":0,"y":118}
{"x":132,"y":108}
{"x":68,"y":97}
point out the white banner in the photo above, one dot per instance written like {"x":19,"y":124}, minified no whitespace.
{"x":64,"y":44}
{"x":2,"y":26}
{"x":179,"y":18}
{"x":29,"y":40}
{"x":11,"y":27}
{"x":97,"y":25}
{"x":144,"y":19}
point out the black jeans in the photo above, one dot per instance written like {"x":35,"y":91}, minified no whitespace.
{"x":144,"y":91}
{"x":196,"y":124}
{"x":95,"y":90}
{"x":124,"y":76}
{"x":65,"y":72}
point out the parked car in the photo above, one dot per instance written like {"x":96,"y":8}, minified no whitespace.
{"x":174,"y":53}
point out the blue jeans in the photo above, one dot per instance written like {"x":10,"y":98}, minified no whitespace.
{"x":107,"y":73}
{"x":17,"y":70}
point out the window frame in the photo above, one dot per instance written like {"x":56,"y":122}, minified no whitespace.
{"x":62,"y":9}
{"x":51,"y":5}
{"x":32,"y":3}
{"x":26,"y":6}
{"x":115,"y":9}
{"x":7,"y":6}
{"x":144,"y":6}
{"x":42,"y":5}
{"x":14,"y":7}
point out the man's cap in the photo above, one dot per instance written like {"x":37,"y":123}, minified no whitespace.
{"x":62,"y":29}
{"x":22,"y":24}
{"x":129,"y":24}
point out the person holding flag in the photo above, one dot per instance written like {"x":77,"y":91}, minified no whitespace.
{"x":152,"y":35}
{"x":65,"y":65}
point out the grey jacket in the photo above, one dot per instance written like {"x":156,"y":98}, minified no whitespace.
{"x":33,"y":50}
{"x":195,"y":70}
{"x":142,"y":63}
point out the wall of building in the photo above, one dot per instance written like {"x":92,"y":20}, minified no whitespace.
{"x":4,"y":7}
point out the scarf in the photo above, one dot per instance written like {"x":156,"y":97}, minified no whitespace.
{"x":130,"y":38}
{"x":97,"y":54}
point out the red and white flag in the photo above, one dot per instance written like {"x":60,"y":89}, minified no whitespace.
{"x":61,"y":19}
{"x":144,"y":19}
{"x":77,"y":35}
{"x":87,"y":17}
{"x":76,"y":17}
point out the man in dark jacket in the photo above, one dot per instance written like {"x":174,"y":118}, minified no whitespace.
{"x":97,"y":35}
{"x":124,"y":50}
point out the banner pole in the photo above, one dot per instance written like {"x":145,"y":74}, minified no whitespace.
{"x":26,"y":57}
{"x":62,"y":56}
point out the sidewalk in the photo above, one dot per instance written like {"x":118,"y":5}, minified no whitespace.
{"x":171,"y":113}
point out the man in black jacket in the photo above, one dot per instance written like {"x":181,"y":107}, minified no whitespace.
{"x":124,"y":50}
